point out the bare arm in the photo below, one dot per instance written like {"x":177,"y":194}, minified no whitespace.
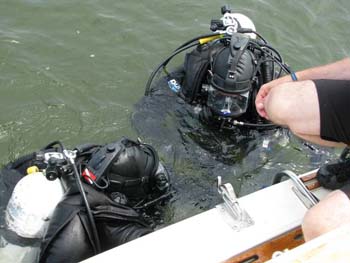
{"x":336,"y":70}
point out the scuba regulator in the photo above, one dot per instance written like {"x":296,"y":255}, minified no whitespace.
{"x":224,"y":71}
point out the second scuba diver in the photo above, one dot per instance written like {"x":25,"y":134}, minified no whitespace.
{"x":109,"y":193}
{"x":221,"y":76}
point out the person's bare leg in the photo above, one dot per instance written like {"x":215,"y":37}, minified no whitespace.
{"x":295,"y":105}
{"x":332,"y":212}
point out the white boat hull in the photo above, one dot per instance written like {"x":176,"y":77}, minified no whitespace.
{"x":208,"y":237}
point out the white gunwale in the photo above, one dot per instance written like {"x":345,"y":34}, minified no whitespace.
{"x":207,"y":237}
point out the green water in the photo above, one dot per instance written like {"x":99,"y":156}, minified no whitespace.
{"x":73,"y":70}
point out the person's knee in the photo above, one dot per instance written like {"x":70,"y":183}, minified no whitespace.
{"x":333,"y":211}
{"x":295,"y":105}
{"x":278,"y":104}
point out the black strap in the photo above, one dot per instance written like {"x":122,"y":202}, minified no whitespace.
{"x":238,"y":45}
{"x":239,"y":86}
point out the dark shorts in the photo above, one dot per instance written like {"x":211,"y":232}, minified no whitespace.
{"x":334,"y":100}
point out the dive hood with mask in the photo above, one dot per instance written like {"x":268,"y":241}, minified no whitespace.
{"x":223,"y":72}
{"x":128,"y":167}
{"x":231,"y":78}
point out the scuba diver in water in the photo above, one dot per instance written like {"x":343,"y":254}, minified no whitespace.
{"x":223,"y":73}
{"x":110,"y":193}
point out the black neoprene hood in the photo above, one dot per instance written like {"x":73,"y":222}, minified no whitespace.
{"x":233,"y":79}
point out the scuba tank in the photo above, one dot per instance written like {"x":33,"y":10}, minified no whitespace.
{"x":27,"y":216}
{"x":31,"y":205}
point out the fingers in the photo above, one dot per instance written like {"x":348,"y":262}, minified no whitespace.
{"x":260,"y":100}
{"x":261,"y":110}
{"x":264,"y":91}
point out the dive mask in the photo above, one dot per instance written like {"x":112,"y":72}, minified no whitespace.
{"x":227,"y":104}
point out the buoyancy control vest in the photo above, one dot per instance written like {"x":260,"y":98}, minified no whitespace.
{"x":69,"y":236}
{"x":195,"y":67}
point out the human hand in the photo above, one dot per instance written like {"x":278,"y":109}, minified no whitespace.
{"x":264,"y":92}
{"x":260,"y":100}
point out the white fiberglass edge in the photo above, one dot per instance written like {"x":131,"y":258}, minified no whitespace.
{"x":206,"y":237}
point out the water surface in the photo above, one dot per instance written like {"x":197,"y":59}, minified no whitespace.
{"x":73,"y":71}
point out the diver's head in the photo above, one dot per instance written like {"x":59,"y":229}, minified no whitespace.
{"x":231,"y":76}
{"x":130,"y":168}
{"x":137,"y":172}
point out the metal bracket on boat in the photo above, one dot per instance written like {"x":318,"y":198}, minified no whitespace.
{"x":299,"y":188}
{"x":234,"y":214}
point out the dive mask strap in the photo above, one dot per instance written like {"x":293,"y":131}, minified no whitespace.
{"x":238,"y":45}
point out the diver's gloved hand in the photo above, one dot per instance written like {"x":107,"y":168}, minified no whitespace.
{"x":335,"y":174}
